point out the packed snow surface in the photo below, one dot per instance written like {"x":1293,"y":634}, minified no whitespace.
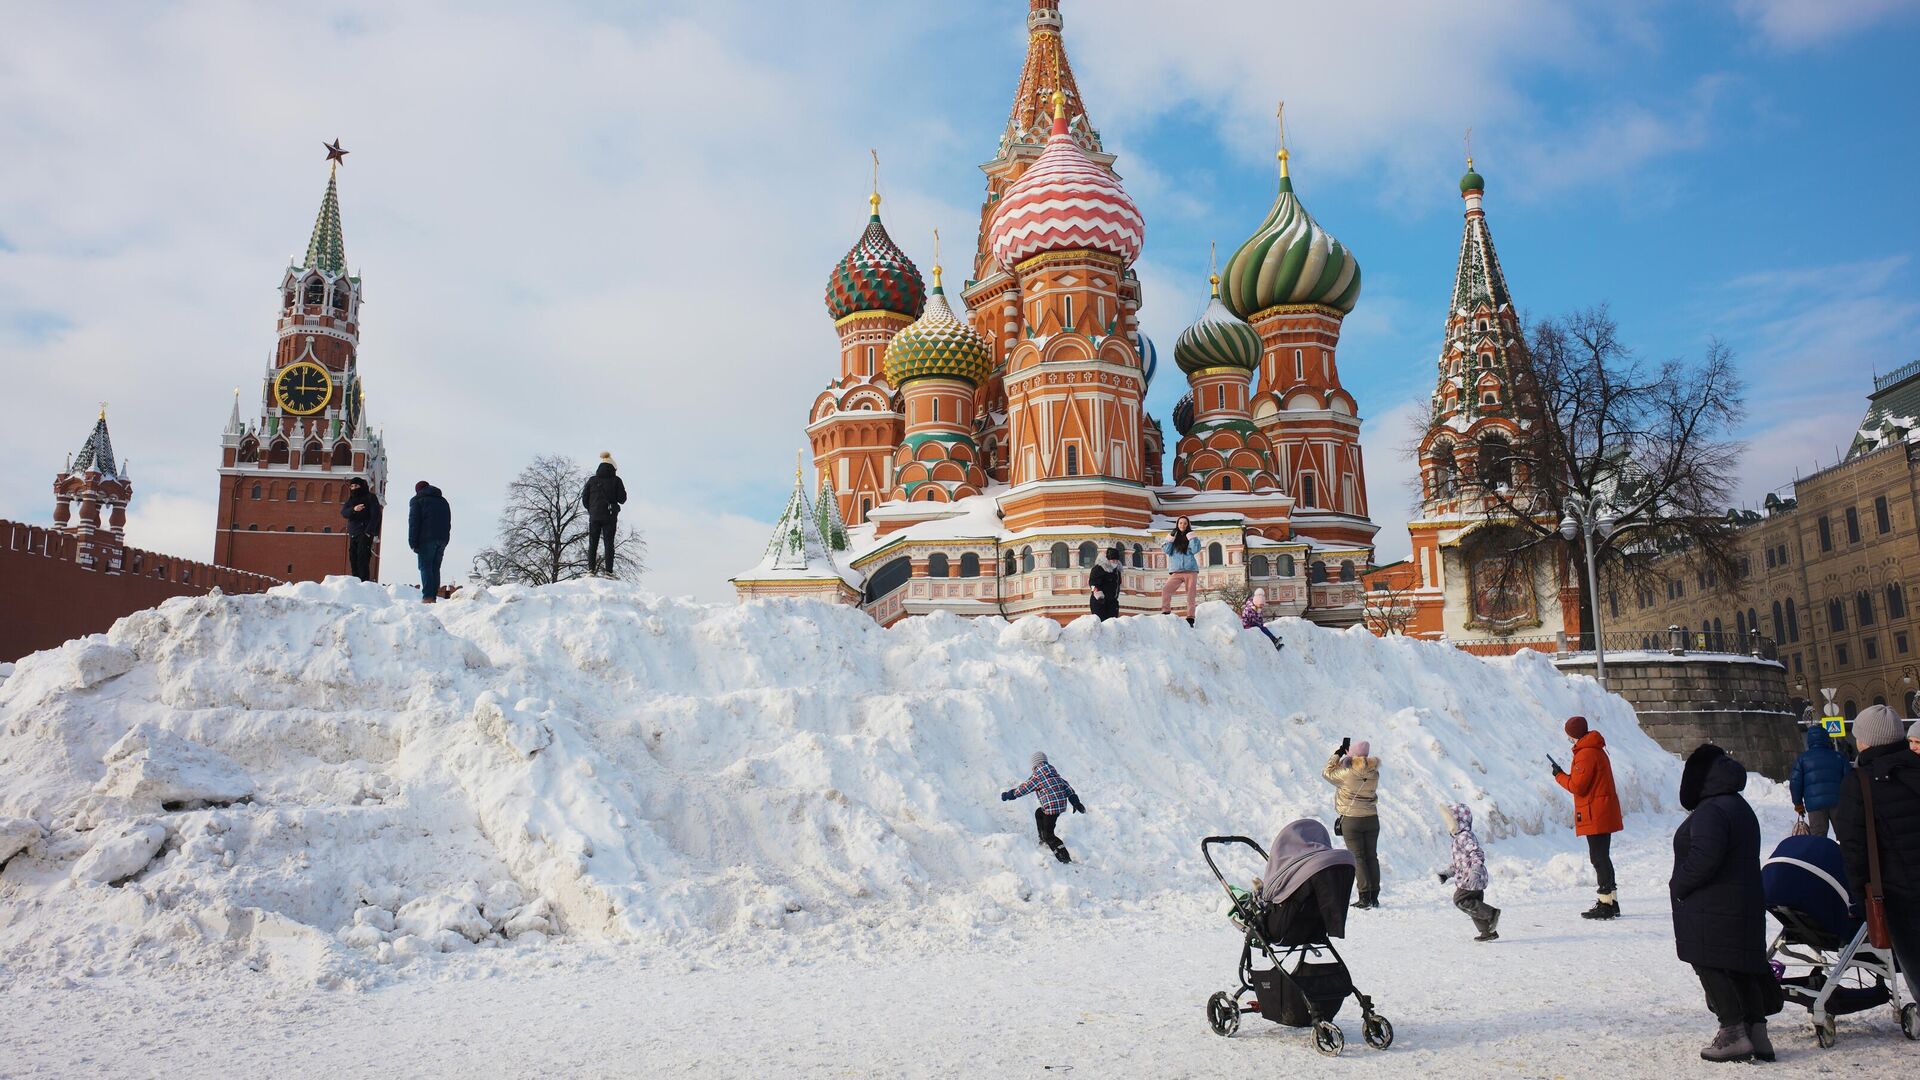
{"x":328,"y":782}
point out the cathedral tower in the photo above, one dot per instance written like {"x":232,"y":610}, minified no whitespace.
{"x":938,"y":363}
{"x":1221,"y":449}
{"x":284,"y":475}
{"x":91,"y":496}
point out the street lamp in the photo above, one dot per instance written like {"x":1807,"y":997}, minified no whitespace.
{"x":1586,"y":516}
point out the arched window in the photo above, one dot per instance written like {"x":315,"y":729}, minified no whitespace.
{"x":1836,"y":616}
{"x":1257,"y":565}
{"x":1793,"y":622}
{"x":289,"y":528}
{"x":256,"y":492}
{"x":1346,"y":570}
{"x":311,"y":454}
{"x":936,"y":565}
{"x":1896,"y":602}
{"x":1850,"y":710}
{"x":249,"y":450}
{"x":293,"y":492}
{"x":1026,"y":559}
{"x":1444,"y":471}
{"x":1317,"y":572}
{"x":1753,"y":621}
{"x":342,"y":454}
{"x":253,"y":528}
{"x":1307,"y":494}
{"x":1740,"y":625}
{"x":286,"y":301}
{"x":1013,"y":564}
{"x":316,"y":292}
{"x":341,"y":289}
{"x":1061,"y":557}
{"x":1496,"y":462}
{"x":1863,"y":603}
{"x":1073,"y":461}
{"x":1779,"y":622}
{"x":1718,"y":632}
{"x":1286,"y":565}
{"x":969,"y":565}
{"x":1216,"y":555}
{"x":889,"y":577}
{"x":1139,"y":557}
{"x":1089,"y":554}
{"x":278,"y":453}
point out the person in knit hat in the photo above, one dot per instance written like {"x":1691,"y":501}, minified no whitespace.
{"x":603,"y":496}
{"x":1056,"y":795}
{"x":1253,"y":616}
{"x":1891,"y":768}
{"x":1596,"y":809}
{"x":1468,"y":872}
{"x":429,"y":528}
{"x":1356,"y":778}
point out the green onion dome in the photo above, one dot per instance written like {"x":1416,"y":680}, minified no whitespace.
{"x":875,"y":276}
{"x":1290,"y":260}
{"x":1472,"y":181}
{"x":1217,"y":340}
{"x":939,"y":345}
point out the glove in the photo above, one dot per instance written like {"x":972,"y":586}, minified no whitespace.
{"x":1078,"y":808}
{"x":1557,"y":770}
{"x":1007,"y":795}
{"x":1799,"y":811}
{"x":1443,"y":876}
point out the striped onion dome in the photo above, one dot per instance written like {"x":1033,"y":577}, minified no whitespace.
{"x":1149,"y":356}
{"x":938,"y":344}
{"x":1217,"y":340}
{"x":1183,"y":414}
{"x":1065,"y":202}
{"x":1291,"y":260}
{"x":875,"y":276}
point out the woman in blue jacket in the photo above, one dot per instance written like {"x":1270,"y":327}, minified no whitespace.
{"x":1183,"y":568}
{"x":1816,"y":779}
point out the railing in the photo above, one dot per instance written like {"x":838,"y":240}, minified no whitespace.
{"x":1674,"y":641}
{"x":1897,"y":375}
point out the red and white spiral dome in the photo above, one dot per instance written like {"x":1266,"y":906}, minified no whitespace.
{"x":1065,"y":202}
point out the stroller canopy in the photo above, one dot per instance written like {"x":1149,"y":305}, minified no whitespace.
{"x":1302,"y":850}
{"x":1808,"y":875}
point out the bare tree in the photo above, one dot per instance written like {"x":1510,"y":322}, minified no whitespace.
{"x":542,"y":535}
{"x":1389,"y":603}
{"x":1652,"y":441}
{"x":1234,"y":594}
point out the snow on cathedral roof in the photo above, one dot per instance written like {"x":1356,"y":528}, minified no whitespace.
{"x":797,"y":550}
{"x":96,"y":454}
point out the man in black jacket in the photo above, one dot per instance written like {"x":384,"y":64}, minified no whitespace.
{"x":362,"y":511}
{"x":429,"y":527}
{"x":1893,"y":770}
{"x":603,"y":496}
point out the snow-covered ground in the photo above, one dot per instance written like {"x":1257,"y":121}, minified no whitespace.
{"x":586,"y":831}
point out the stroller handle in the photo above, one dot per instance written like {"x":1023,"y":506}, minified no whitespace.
{"x":1206,"y":852}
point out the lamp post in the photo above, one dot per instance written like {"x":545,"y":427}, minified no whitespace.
{"x":1586,"y":516}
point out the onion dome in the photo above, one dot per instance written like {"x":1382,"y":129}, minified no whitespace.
{"x":1217,"y":340}
{"x":875,"y":276}
{"x":1149,"y":356}
{"x":1065,"y":202}
{"x":1183,"y":414}
{"x":1291,"y":260}
{"x":1472,"y":181}
{"x":938,"y":345}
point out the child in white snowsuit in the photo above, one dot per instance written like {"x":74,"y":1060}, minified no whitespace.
{"x":1468,"y":872}
{"x":1055,"y":796}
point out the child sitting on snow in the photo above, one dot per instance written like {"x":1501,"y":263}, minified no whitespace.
{"x":1468,"y":871}
{"x":1055,"y":796}
{"x":1253,"y":616}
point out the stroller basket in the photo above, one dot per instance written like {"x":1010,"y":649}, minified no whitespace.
{"x":1283,"y":996}
{"x":1845,"y":1000}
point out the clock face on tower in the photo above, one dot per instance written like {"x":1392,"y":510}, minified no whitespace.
{"x":303,"y":388}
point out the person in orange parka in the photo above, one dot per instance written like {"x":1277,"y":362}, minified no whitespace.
{"x":1596,"y":809}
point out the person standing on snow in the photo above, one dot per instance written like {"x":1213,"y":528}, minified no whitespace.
{"x":1356,"y":778}
{"x":1816,"y":779}
{"x":1253,"y":616}
{"x":603,"y":496}
{"x":1183,"y":567}
{"x":1719,"y":906}
{"x":1103,"y":582}
{"x":1468,"y":872}
{"x":429,"y":527}
{"x":1056,"y":795}
{"x":1596,"y":809}
{"x":1892,"y":769}
{"x":362,"y":511}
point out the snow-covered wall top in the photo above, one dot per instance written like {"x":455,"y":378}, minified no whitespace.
{"x":369,"y":778}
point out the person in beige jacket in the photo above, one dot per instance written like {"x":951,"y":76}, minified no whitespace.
{"x":1356,"y":781}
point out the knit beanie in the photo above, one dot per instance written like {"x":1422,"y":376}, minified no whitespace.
{"x":1360,"y":749}
{"x":607,"y":456}
{"x":1877,"y":725}
{"x":1576,"y":727}
{"x":1039,"y":759}
{"x":421,"y":486}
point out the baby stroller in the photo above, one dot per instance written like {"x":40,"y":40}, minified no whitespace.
{"x":1805,"y":882}
{"x":1307,"y":982}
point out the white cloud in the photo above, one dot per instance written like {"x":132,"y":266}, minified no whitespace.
{"x":1798,"y":24}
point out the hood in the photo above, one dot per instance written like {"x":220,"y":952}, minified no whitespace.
{"x":428,"y":490}
{"x":1817,"y":739}
{"x":1302,"y":850}
{"x":1459,"y":818}
{"x":1709,"y":772}
{"x":1591,"y":739}
{"x":605,"y":469}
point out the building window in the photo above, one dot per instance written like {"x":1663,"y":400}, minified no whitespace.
{"x":869,"y":359}
{"x":1073,"y":461}
{"x":1139,"y":557}
{"x":865,"y":506}
{"x":1307,"y":498}
{"x":1257,"y":566}
{"x":1853,"y":525}
{"x":1840,"y":656}
{"x":256,"y":492}
{"x":1769,"y":558}
{"x":1793,"y":622}
{"x":1088,"y":553}
{"x":293,"y":492}
{"x":1299,"y":365}
{"x":1346,"y":570}
{"x":936,"y":410}
{"x":936,"y":565}
{"x":1317,"y":572}
{"x":1026,"y":559}
{"x":1220,"y":397}
{"x":1061,"y":557}
{"x":1896,"y":602}
{"x":1739,"y":624}
{"x":969,"y":565}
{"x":1881,"y":517}
{"x":1900,"y":643}
{"x":289,"y":528}
{"x":1826,"y":534}
{"x":1850,"y":710}
{"x":1753,"y":621}
{"x":1836,"y":616}
{"x":1870,"y":646}
{"x":1216,"y":555}
{"x":1798,"y":668}
{"x":1783,"y":554}
{"x":1013,"y":564}
{"x":1286,"y":566}
{"x":253,"y":528}
{"x":1863,"y":603}
{"x":1068,"y":302}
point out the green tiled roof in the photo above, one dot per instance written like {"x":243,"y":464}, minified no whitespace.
{"x":327,"y":250}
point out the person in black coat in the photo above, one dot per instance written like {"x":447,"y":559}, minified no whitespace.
{"x":429,"y":527}
{"x":1103,"y":583}
{"x":1719,"y":906}
{"x":362,"y":511}
{"x":1893,"y":770}
{"x":603,"y":496}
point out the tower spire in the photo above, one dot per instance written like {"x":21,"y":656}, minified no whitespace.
{"x":1281,"y":115}
{"x":327,"y":248}
{"x":873,"y":200}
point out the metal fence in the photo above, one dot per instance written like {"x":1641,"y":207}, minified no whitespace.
{"x":1674,"y":640}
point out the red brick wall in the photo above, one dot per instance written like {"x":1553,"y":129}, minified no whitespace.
{"x":294,"y":540}
{"x":47,"y":596}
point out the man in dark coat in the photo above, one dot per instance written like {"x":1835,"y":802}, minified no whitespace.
{"x":429,"y":527}
{"x":362,"y":511}
{"x":1816,"y":778}
{"x":1103,"y":581}
{"x":1893,"y":770}
{"x":603,"y":496}
{"x":1719,"y":906}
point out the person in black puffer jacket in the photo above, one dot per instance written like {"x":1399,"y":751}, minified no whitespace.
{"x":1719,"y":906}
{"x":362,"y":511}
{"x":1103,"y":582}
{"x":1894,"y":771}
{"x":603,"y":496}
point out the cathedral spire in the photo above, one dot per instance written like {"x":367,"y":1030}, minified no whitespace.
{"x":796,"y":543}
{"x":1478,"y":284}
{"x":1045,"y":77}
{"x":327,"y":249}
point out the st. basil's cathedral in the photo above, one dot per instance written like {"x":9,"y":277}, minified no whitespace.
{"x":981,"y":465}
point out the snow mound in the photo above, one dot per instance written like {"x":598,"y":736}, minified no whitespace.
{"x":325,"y":780}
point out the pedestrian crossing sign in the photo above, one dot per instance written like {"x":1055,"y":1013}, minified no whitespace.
{"x":1836,"y":726}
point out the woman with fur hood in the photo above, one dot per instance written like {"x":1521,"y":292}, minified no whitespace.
{"x":1356,"y":779}
{"x":1468,"y":872}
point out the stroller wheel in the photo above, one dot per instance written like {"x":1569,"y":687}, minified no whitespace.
{"x":1378,"y":1032}
{"x":1327,"y":1039}
{"x":1910,"y":1020}
{"x":1826,"y":1034}
{"x":1223,"y":1014}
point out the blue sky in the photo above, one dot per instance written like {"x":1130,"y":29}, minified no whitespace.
{"x":607,"y":226}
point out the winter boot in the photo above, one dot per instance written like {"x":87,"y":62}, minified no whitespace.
{"x":1762,"y":1046}
{"x":1729,"y":1044}
{"x":1608,"y":907}
{"x":1488,"y":933}
{"x":1189,"y":620}
{"x":1061,"y":854}
{"x":1493,"y":923}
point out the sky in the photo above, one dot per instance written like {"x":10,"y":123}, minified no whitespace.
{"x":595,"y":225}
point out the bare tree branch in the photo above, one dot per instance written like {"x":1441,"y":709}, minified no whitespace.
{"x":542,"y":534}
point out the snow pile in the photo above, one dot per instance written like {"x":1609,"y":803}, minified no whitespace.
{"x":326,"y":778}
